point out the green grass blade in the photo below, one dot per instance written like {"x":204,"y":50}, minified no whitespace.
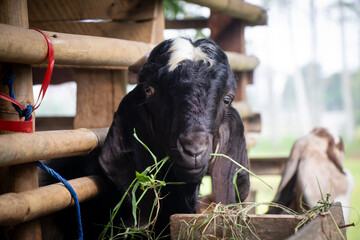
{"x":242,"y":167}
{"x":146,"y":147}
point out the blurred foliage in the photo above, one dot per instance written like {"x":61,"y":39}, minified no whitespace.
{"x":330,"y":95}
{"x":333,"y":95}
{"x":173,"y":8}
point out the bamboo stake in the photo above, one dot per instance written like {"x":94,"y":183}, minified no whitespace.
{"x":19,"y":45}
{"x":22,"y":177}
{"x":21,"y":207}
{"x":23,"y":147}
{"x":237,"y":9}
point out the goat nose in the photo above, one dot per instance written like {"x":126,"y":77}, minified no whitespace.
{"x":194,"y":144}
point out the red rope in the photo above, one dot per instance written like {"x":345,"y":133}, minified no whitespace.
{"x":27,"y":126}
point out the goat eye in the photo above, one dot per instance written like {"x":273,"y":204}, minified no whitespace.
{"x":149,"y":90}
{"x":227,"y":100}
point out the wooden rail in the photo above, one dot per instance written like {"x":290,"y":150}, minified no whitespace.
{"x":236,"y":8}
{"x":21,"y":207}
{"x":241,"y":62}
{"x":20,"y":148}
{"x":20,"y":45}
{"x":268,"y":166}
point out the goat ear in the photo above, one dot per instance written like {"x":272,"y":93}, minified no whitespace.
{"x":136,"y":67}
{"x":285,"y":193}
{"x":232,"y":143}
{"x":120,"y":155}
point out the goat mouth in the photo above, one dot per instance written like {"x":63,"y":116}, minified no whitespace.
{"x":193,"y":171}
{"x":190,"y":175}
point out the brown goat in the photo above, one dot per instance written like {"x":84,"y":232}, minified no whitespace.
{"x":316,"y":160}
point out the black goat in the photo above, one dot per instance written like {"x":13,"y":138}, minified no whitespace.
{"x":180,"y":108}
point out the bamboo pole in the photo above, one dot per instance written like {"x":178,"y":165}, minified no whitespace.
{"x":19,"y":45}
{"x":236,"y":8}
{"x":241,"y":62}
{"x":22,"y":177}
{"x":20,"y":148}
{"x":21,"y":207}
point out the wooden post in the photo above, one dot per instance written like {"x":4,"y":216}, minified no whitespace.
{"x":22,"y":177}
{"x":100,"y":91}
{"x":98,"y":95}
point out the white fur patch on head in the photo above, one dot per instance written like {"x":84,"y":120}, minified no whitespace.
{"x":183,"y":49}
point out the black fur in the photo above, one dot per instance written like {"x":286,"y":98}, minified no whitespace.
{"x":185,"y":118}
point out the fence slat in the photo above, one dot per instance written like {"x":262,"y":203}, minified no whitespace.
{"x":24,"y":147}
{"x":21,"y":207}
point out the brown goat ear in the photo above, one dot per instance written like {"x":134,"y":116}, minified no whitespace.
{"x":232,"y":143}
{"x":136,"y":67}
{"x":285,"y":193}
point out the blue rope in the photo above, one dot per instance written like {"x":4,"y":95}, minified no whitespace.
{"x":72,"y":192}
{"x":9,"y":80}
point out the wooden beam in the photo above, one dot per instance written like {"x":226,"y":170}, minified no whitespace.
{"x":241,"y":62}
{"x":43,"y":10}
{"x":323,"y":226}
{"x":54,"y":123}
{"x":252,"y":122}
{"x":98,"y":95}
{"x":21,"y":207}
{"x":269,"y":226}
{"x":237,"y":9}
{"x":264,"y":226}
{"x":23,"y":148}
{"x":186,"y":23}
{"x":268,"y":166}
{"x":19,"y":45}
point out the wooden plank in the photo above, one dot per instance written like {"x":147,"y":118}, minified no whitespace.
{"x":43,"y":10}
{"x":186,"y":24}
{"x":264,"y":226}
{"x":252,"y":122}
{"x":268,"y":166}
{"x":129,"y":30}
{"x":98,"y":95}
{"x":23,"y":148}
{"x":157,"y":30}
{"x":19,"y":45}
{"x":227,"y":32}
{"x":324,"y":226}
{"x":59,"y":75}
{"x":16,"y":208}
{"x":54,"y":123}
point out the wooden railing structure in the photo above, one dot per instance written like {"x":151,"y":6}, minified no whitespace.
{"x":96,"y":55}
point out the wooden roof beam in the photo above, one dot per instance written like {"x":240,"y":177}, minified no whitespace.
{"x":252,"y":14}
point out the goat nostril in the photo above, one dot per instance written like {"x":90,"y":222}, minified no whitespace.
{"x":194,"y":151}
{"x":194,"y":144}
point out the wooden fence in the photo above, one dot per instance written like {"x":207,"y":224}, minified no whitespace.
{"x":95,"y":52}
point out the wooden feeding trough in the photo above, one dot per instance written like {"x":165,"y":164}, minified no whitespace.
{"x":328,"y":225}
